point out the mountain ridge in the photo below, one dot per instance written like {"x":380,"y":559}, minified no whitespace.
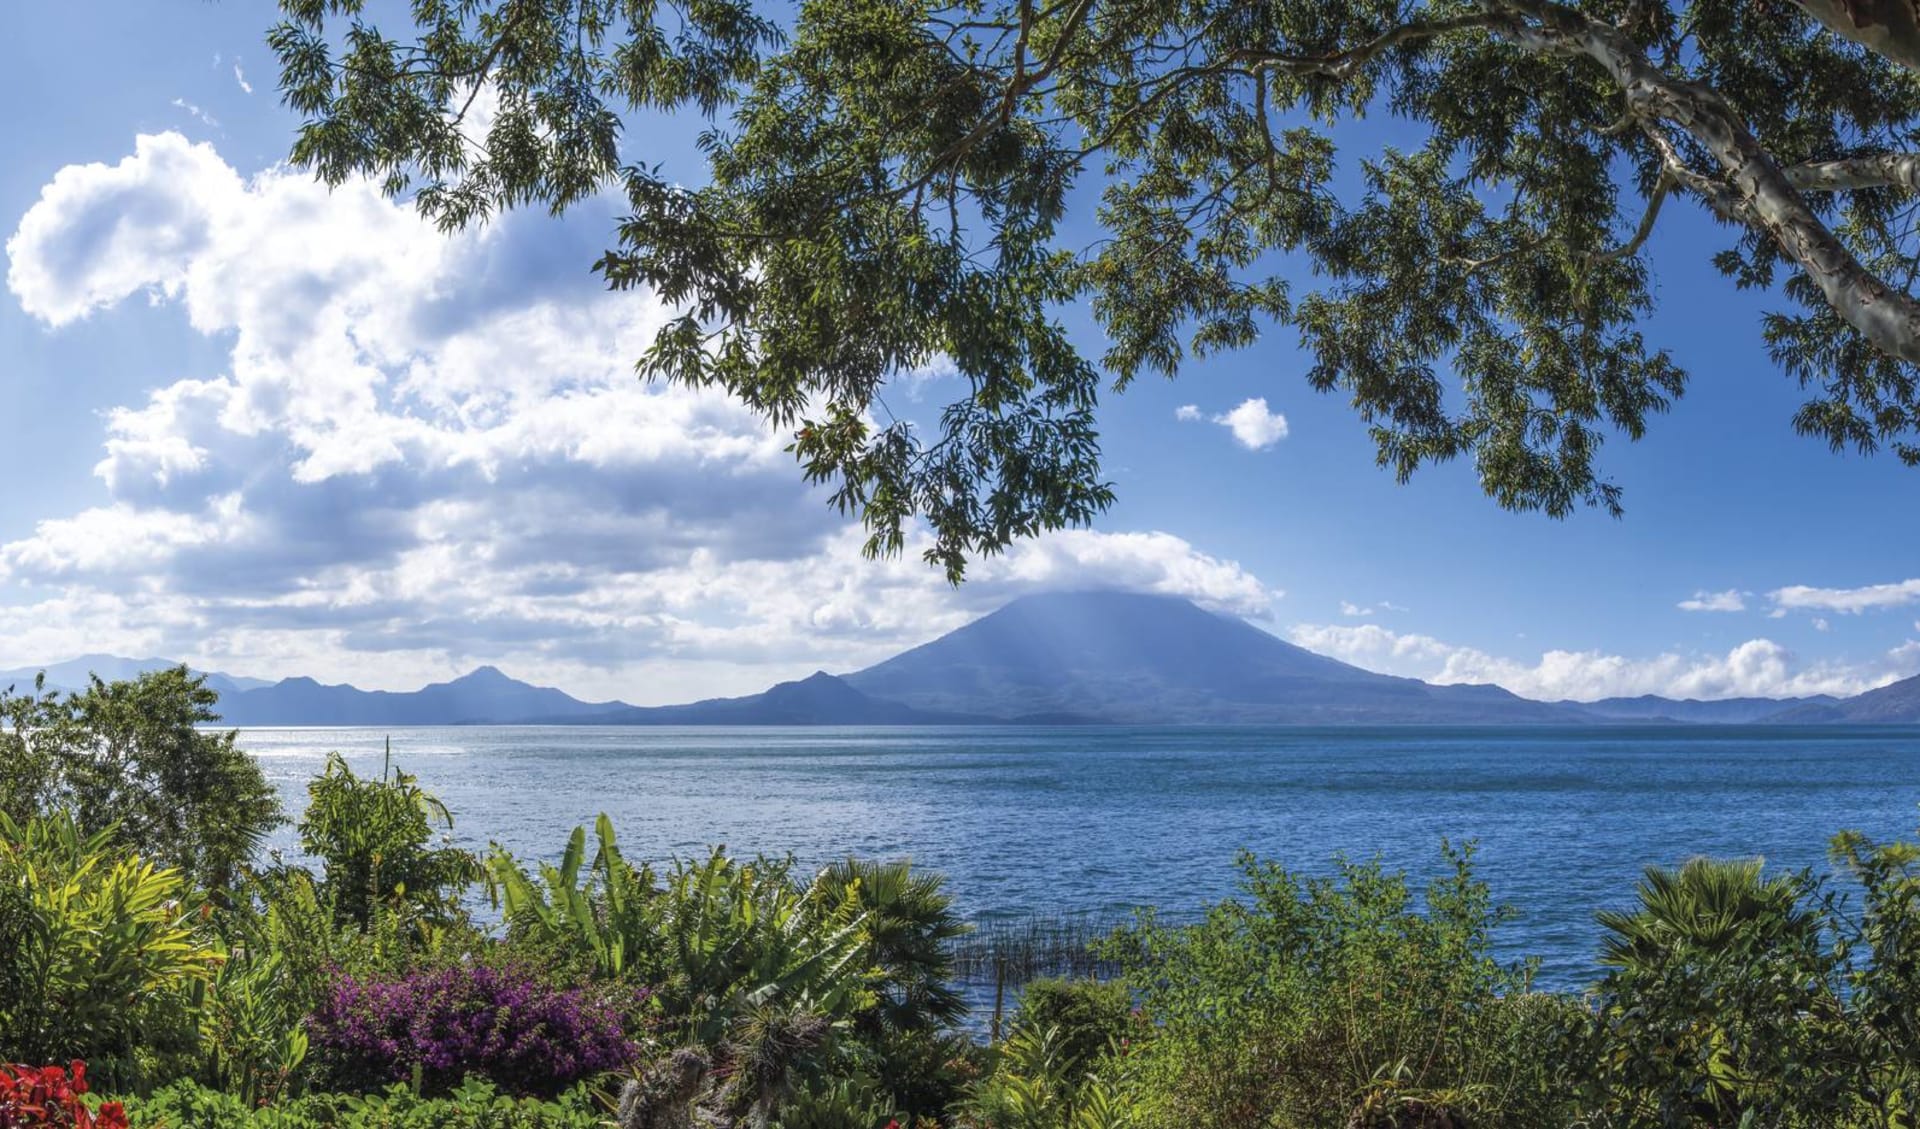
{"x":1064,"y":658}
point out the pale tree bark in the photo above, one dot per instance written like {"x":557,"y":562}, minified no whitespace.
{"x":1748,"y":186}
{"x":1887,"y":170}
{"x":1888,"y":28}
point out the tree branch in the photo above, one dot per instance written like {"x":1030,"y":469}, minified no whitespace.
{"x":1752,"y":185}
{"x":1645,"y":231}
{"x":1888,"y":28}
{"x":1342,"y":64}
{"x":1887,"y":170}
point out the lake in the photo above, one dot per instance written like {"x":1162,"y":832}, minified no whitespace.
{"x":1051,"y":820}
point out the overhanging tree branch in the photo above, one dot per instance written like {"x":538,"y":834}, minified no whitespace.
{"x":1888,"y":28}
{"x":1766,"y":196}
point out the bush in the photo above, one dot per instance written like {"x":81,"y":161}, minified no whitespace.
{"x":49,"y":1097}
{"x":1316,"y":1000}
{"x":100,"y":948}
{"x":502,"y":1024}
{"x":375,"y":838}
{"x":1087,"y":1017}
{"x":474,"y":1104}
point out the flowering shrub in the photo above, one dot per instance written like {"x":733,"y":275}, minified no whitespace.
{"x":502,"y":1024}
{"x":48,"y":1097}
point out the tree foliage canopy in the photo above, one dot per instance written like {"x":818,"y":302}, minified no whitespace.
{"x":131,"y":761}
{"x":891,"y":184}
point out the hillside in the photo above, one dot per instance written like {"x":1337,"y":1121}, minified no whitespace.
{"x":1719,"y":711}
{"x":1896,"y":704}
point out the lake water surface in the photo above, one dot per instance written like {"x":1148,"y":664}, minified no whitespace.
{"x":1101,"y":819}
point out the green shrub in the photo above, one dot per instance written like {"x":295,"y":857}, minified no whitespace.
{"x":474,"y":1105}
{"x":101,"y":951}
{"x":1738,"y":998}
{"x":1087,"y":1016}
{"x":1310,"y":1000}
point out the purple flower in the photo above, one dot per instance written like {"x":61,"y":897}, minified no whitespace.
{"x":503,"y":1024}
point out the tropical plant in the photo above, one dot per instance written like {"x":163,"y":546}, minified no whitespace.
{"x":435,"y":1027}
{"x":1724,"y":1005}
{"x":103,"y":942}
{"x":847,"y":1103}
{"x":135,"y":757}
{"x":911,"y":928}
{"x":744,"y":935}
{"x":375,"y":839}
{"x":1881,"y":945}
{"x":1707,"y":905}
{"x":1039,"y":1083}
{"x":609,"y":910}
{"x":1088,"y":1018}
{"x":251,"y":1040}
{"x":50,"y":1097}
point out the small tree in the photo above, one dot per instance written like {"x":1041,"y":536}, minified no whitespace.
{"x":133,"y":757}
{"x":375,"y":838}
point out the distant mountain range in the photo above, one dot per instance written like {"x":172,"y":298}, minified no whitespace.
{"x":74,"y":674}
{"x":1720,"y":711}
{"x":1063,"y":658}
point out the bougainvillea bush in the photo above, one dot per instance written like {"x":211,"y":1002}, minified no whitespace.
{"x":48,"y":1097}
{"x":506,"y":1025}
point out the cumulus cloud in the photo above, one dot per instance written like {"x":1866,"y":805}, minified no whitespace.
{"x":1846,"y":601}
{"x":423,"y":452}
{"x":1756,"y":668}
{"x":1187,"y":413}
{"x":100,"y":233}
{"x":1253,"y":425}
{"x":1732,"y":600}
{"x":1351,"y":609}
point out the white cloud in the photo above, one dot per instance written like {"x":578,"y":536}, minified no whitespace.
{"x":1361,"y":611}
{"x":196,"y":112}
{"x":1847,"y":601}
{"x":240,"y":77}
{"x":425,"y":452}
{"x":101,"y":233}
{"x":1732,"y":600}
{"x":1756,"y":668}
{"x":1187,"y":413}
{"x":1820,"y":624}
{"x":1253,"y":425}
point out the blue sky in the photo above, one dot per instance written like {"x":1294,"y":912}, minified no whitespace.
{"x":273,"y":430}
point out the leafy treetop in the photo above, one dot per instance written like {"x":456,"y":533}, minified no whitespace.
{"x":887,"y":183}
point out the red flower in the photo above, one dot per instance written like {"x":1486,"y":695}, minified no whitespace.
{"x":47,"y":1098}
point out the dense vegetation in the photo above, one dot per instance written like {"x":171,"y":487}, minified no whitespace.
{"x":363,"y":991}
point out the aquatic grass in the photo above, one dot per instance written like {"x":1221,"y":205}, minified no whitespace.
{"x":1014,"y":950}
